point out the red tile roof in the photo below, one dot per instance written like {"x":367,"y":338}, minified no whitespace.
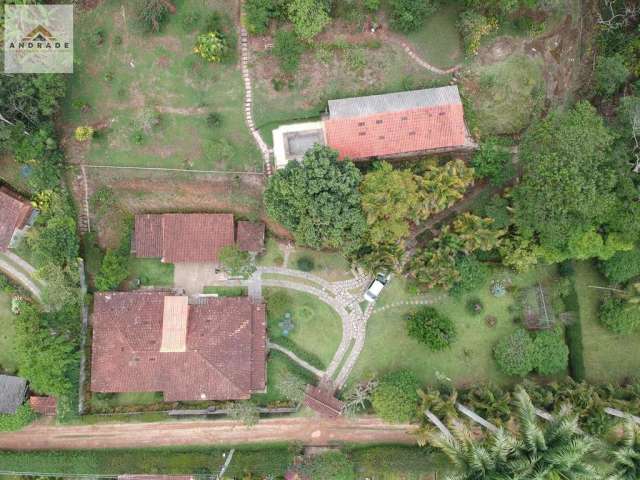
{"x":225,"y":357}
{"x":396,"y":133}
{"x":14,"y":213}
{"x":43,"y":405}
{"x":250,"y":236}
{"x":183,"y":237}
{"x":322,"y":401}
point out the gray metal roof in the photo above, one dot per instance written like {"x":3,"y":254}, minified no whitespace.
{"x":393,"y":102}
{"x":12,"y":392}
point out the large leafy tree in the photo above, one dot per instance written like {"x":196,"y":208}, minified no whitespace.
{"x":569,"y":180}
{"x":440,"y":186}
{"x":318,"y":200}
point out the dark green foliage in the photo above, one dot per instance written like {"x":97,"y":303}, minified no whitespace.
{"x":432,"y":328}
{"x":305,"y":263}
{"x":473,"y":274}
{"x":334,"y":465}
{"x":260,"y":12}
{"x":214,"y":120}
{"x":573,"y":333}
{"x":568,"y":184}
{"x":55,"y":242}
{"x":550,"y":353}
{"x":114,"y":268}
{"x":623,"y":266}
{"x":619,"y":317}
{"x":287,"y":49}
{"x":13,"y":422}
{"x":31,"y":99}
{"x":151,"y":14}
{"x":610,"y":74}
{"x":493,"y":161}
{"x":318,"y":200}
{"x":395,"y":399}
{"x":409,"y":15}
{"x":514,"y":354}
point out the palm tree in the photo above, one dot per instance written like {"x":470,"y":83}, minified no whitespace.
{"x":555,"y":451}
{"x":626,"y":457}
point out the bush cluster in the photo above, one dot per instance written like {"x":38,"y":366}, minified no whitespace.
{"x":396,"y":396}
{"x":432,"y":328}
{"x":619,"y":317}
{"x":623,"y":266}
{"x":409,"y":15}
{"x":519,"y":354}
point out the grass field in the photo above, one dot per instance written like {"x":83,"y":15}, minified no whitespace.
{"x":123,"y":76}
{"x":331,"y":266}
{"x":470,"y":358}
{"x":439,"y":41}
{"x":505,"y":96}
{"x":272,"y":256}
{"x":317,"y":327}
{"x":226,"y":291}
{"x":151,"y":272}
{"x":608,"y":357}
{"x":8,"y":363}
{"x":278,"y":367}
{"x":332,"y":70}
{"x":113,"y":400}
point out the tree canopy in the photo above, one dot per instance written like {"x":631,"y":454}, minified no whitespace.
{"x":318,"y":200}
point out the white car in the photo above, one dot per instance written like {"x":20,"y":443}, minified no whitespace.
{"x":376,"y":287}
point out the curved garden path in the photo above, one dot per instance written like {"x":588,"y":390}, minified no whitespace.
{"x":417,"y":58}
{"x":22,"y":272}
{"x":340,"y":297}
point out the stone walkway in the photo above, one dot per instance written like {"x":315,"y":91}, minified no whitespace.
{"x":417,"y":58}
{"x":248,"y":95}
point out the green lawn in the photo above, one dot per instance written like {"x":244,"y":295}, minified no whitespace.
{"x":439,"y":41}
{"x":608,"y":357}
{"x":505,"y":96}
{"x":226,"y":291}
{"x":328,"y":72}
{"x":151,"y":272}
{"x":8,"y":361}
{"x":279,"y":366}
{"x":272,"y":256}
{"x":130,"y":73}
{"x":331,"y":266}
{"x":470,"y":358}
{"x":317,"y":327}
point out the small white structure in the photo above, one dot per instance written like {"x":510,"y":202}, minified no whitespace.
{"x":290,"y":142}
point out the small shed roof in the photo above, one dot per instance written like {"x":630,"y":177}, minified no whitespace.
{"x":12,"y":393}
{"x":322,"y":401}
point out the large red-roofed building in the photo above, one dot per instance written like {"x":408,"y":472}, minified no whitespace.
{"x":391,"y":125}
{"x":207,"y":349}
{"x":15,"y":212}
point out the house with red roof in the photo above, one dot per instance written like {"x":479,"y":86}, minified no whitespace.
{"x":205,"y":348}
{"x":391,"y":125}
{"x":15,"y":215}
{"x":193,"y":237}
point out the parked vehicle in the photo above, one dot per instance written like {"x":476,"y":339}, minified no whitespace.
{"x":376,"y":287}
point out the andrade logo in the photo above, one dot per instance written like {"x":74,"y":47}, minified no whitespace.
{"x":38,"y":39}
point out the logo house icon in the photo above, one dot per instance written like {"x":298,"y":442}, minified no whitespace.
{"x":39,"y":34}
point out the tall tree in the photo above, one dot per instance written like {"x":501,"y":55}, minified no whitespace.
{"x":569,"y":179}
{"x":318,"y":200}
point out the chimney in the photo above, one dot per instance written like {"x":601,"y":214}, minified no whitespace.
{"x":174,"y":324}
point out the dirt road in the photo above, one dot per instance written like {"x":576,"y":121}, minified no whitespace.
{"x":310,"y":431}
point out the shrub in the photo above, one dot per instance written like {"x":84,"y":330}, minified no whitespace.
{"x":473,"y":274}
{"x":409,"y":15}
{"x":137,"y":137}
{"x":245,"y":412}
{"x":550,"y":353}
{"x":211,"y":46}
{"x":83,"y":133}
{"x":151,"y":14}
{"x":17,"y":421}
{"x":309,"y":17}
{"x":330,"y":465}
{"x":260,"y":12}
{"x":214,"y":120}
{"x":395,"y":399}
{"x":235,"y":261}
{"x":287,"y":49}
{"x":622,"y":266}
{"x":474,"y":306}
{"x":514,"y":354}
{"x":113,"y":270}
{"x":474,"y":27}
{"x":493,"y":160}
{"x":619,"y":317}
{"x":610,"y":74}
{"x":305,"y":263}
{"x":371,"y":5}
{"x":432,"y":328}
